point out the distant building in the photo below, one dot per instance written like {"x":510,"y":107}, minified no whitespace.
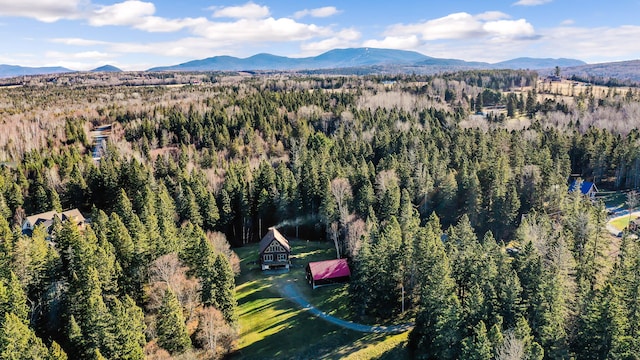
{"x":274,"y":251}
{"x":46,"y":220}
{"x":634,"y":225}
{"x":586,"y":188}
{"x":328,"y":272}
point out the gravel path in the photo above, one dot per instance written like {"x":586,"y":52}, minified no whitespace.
{"x":290,"y":292}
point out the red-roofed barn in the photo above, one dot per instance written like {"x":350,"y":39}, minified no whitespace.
{"x":328,"y":272}
{"x":274,"y":251}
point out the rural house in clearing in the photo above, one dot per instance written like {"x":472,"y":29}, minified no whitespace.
{"x":586,"y":188}
{"x":274,"y":251}
{"x":46,"y":220}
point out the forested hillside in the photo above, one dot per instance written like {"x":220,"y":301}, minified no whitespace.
{"x":449,"y":190}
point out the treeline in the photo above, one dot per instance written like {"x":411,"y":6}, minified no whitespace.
{"x":145,"y":278}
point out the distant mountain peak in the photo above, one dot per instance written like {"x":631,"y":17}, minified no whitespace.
{"x":106,"y":68}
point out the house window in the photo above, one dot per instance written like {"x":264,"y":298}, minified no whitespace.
{"x":282,"y":257}
{"x":268,"y":257}
{"x":274,"y":247}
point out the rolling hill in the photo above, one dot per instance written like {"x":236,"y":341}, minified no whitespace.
{"x":536,"y":64}
{"x":106,"y":68}
{"x":624,"y":71}
{"x":16,"y":70}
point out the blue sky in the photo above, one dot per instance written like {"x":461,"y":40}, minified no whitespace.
{"x":138,"y":34}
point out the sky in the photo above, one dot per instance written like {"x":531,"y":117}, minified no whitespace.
{"x":139,"y":34}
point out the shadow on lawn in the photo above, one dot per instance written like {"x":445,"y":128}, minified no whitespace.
{"x":295,"y":335}
{"x":285,"y":331}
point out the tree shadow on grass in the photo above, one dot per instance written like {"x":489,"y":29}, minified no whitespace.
{"x":298,"y":336}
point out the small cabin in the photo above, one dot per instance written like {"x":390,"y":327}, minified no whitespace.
{"x":274,"y":251}
{"x":328,"y":272}
{"x":586,"y":188}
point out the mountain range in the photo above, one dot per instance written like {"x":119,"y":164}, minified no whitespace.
{"x":356,"y":58}
{"x":359,"y":60}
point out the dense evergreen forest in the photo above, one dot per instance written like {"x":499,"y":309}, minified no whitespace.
{"x":451,"y":189}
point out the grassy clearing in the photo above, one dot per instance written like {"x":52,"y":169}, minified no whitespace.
{"x":275,"y":328}
{"x":622,"y":222}
{"x":391,"y":347}
{"x":614,"y":199}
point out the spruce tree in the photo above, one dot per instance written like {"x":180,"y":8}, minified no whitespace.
{"x":171,"y":328}
{"x":225,"y":289}
{"x":18,"y":341}
{"x":477,"y":346}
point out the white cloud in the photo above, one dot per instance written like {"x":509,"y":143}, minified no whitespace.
{"x":252,"y":30}
{"x":126,"y":13}
{"x":492,"y":15}
{"x":318,"y":12}
{"x":95,"y":55}
{"x":531,"y":2}
{"x":246,"y":11}
{"x":139,"y":15}
{"x":344,"y":38}
{"x":568,"y":22}
{"x":394,"y":42}
{"x":158,"y":24}
{"x":78,"y":41}
{"x":591,"y":44}
{"x":42,"y":10}
{"x":464,"y":26}
{"x":509,"y":29}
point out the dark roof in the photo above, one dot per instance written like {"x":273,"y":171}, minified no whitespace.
{"x":270,"y":236}
{"x":584,"y":188}
{"x":329,"y":269}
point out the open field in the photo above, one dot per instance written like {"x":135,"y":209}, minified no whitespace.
{"x":272,"y":327}
{"x":622,"y":222}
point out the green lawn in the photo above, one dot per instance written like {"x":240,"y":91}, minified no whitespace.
{"x":614,"y":199}
{"x":622,"y":222}
{"x":275,"y":328}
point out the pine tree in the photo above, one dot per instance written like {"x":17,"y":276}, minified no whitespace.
{"x":13,"y":299}
{"x":171,"y":329}
{"x":477,"y":346}
{"x":18,"y":341}
{"x":225,"y":288}
{"x":128,"y":328}
{"x":56,"y":352}
{"x":436,"y":334}
{"x":76,"y":339}
{"x":602,"y":326}
{"x":166,"y":215}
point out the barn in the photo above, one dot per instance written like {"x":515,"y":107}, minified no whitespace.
{"x":274,"y":251}
{"x":328,"y":272}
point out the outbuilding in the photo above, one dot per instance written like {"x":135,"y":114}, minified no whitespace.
{"x":328,"y":272}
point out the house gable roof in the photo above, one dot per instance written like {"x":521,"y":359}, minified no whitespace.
{"x":33,"y":219}
{"x":585,"y":187}
{"x":271,"y":235}
{"x":329,"y":269}
{"x":73,"y":214}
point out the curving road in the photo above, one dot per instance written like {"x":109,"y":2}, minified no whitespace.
{"x":290,"y":292}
